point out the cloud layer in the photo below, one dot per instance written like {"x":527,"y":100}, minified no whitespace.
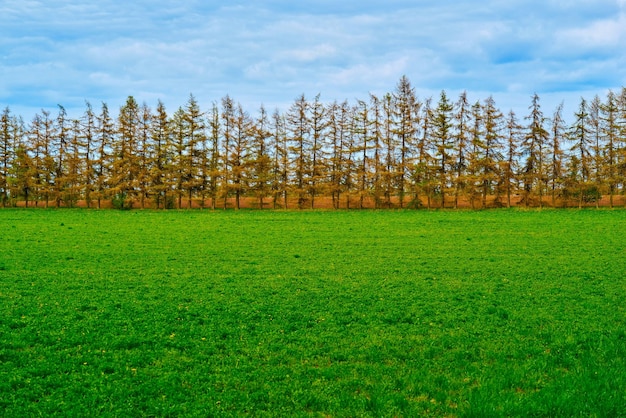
{"x":271,"y":51}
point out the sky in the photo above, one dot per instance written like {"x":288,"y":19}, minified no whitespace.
{"x":269,"y":52}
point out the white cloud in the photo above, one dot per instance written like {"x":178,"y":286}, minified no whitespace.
{"x":370,"y":73}
{"x":310,"y":54}
{"x":598,"y":34}
{"x":272,"y":50}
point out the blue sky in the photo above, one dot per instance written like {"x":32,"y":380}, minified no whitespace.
{"x":271,"y":51}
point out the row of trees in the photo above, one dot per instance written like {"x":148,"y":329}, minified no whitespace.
{"x":386,"y":151}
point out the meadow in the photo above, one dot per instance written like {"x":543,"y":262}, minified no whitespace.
{"x":314,"y":313}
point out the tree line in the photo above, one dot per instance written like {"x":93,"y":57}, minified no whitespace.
{"x":387,"y":151}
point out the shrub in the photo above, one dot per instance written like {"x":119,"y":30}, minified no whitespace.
{"x":121,"y":201}
{"x":591,"y":194}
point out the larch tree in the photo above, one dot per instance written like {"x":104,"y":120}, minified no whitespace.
{"x":144,"y":159}
{"x":204,"y":159}
{"x":280,"y":166}
{"x":60,"y":151}
{"x":476,"y":135}
{"x":555,"y":172}
{"x":342,"y":147}
{"x":45,"y":160}
{"x":533,"y":148}
{"x":462,"y":120}
{"x":610,"y":130}
{"x":598,"y":143}
{"x":36,"y":146}
{"x":425,"y":167}
{"x":442,"y":134}
{"x":125,"y":167}
{"x":160,"y":154}
{"x":510,"y":163}
{"x":227,"y":116}
{"x":337,"y":129}
{"x":240,"y":153}
{"x":299,"y":130}
{"x":22,"y":173}
{"x":621,"y":152}
{"x":214,"y":171}
{"x":405,"y":108}
{"x":16,"y":166}
{"x":74,"y":162}
{"x":389,"y":169}
{"x":490,"y":151}
{"x":318,"y":125}
{"x":350,"y":156}
{"x":20,"y":132}
{"x":195,"y":136}
{"x":362,"y":132}
{"x":88,"y":123}
{"x":179,"y":159}
{"x":581,"y":161}
{"x":103,"y":162}
{"x":261,"y":161}
{"x":6,"y":154}
{"x":377,"y":140}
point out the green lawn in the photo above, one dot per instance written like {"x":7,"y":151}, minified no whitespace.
{"x":360,"y":313}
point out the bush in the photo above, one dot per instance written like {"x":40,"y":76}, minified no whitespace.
{"x":121,"y":201}
{"x":414,"y":203}
{"x":170,"y":202}
{"x":590,"y":194}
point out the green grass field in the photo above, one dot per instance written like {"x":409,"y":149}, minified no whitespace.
{"x":361,"y":313}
